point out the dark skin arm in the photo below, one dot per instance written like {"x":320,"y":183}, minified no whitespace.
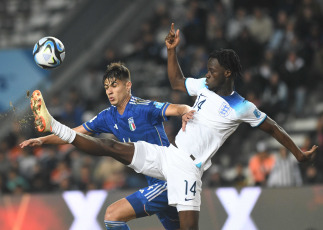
{"x":272,"y":128}
{"x":175,"y":74}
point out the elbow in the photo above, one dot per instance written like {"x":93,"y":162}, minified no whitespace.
{"x":174,"y":86}
{"x":178,"y":85}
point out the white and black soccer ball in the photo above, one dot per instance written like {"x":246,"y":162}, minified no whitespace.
{"x":49,"y":52}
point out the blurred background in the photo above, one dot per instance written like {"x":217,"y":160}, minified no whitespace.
{"x":280,"y":44}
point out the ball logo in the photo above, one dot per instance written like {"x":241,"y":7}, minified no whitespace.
{"x":224,"y":110}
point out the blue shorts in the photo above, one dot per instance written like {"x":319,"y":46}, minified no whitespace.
{"x":153,"y":200}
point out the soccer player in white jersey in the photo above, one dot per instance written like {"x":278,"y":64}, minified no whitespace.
{"x":218,"y":111}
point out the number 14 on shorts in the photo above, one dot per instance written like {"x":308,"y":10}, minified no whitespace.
{"x":190,"y":189}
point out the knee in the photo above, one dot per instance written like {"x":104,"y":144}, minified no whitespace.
{"x":112,"y":214}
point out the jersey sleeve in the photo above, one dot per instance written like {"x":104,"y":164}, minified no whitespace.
{"x":98,"y":124}
{"x":156,"y":112}
{"x":252,"y":115}
{"x":194,"y":85}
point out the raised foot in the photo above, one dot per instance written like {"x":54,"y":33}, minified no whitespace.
{"x":42,"y":117}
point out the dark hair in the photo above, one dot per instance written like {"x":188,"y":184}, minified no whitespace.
{"x":228,"y":59}
{"x":117,"y":70}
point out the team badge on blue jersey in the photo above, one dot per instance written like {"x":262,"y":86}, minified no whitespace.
{"x":225,"y":109}
{"x":131,"y":123}
{"x":257,"y":113}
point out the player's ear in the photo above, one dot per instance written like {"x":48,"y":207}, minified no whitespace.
{"x":227,"y":73}
{"x":128,"y":86}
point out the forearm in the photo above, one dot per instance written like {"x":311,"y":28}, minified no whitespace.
{"x":174,"y":71}
{"x":183,"y":109}
{"x":177,"y":110}
{"x":283,"y":138}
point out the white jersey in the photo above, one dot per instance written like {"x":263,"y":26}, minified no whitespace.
{"x":216,"y":118}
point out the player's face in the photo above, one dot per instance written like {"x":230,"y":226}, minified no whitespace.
{"x":117,"y":91}
{"x":216,"y":75}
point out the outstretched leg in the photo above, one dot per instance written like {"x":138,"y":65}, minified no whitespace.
{"x":44,"y":122}
{"x":120,"y":151}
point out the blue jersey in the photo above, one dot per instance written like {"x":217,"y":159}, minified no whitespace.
{"x":142,"y":120}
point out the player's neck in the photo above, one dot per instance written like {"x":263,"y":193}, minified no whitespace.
{"x":225,"y":90}
{"x":121,"y":108}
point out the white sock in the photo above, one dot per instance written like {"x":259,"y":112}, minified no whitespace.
{"x":62,"y":131}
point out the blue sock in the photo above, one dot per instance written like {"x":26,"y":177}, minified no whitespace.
{"x":116,"y":225}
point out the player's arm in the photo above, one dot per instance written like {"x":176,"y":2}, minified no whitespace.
{"x":175,"y":74}
{"x":177,"y":110}
{"x":50,"y":139}
{"x":184,"y":111}
{"x":272,"y":128}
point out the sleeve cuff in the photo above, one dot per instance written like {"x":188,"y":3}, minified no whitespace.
{"x":85,"y":126}
{"x":165,"y":118}
{"x":261,"y":121}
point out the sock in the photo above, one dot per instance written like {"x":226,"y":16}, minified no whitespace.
{"x":116,"y":225}
{"x":62,"y":131}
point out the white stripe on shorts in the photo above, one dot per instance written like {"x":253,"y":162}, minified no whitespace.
{"x":156,"y":191}
{"x":160,"y":192}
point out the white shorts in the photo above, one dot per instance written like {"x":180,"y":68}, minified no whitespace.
{"x":177,"y":168}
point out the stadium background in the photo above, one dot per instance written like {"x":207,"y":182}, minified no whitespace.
{"x":283,"y":37}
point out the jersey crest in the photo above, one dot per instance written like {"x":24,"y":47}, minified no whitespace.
{"x":224,"y":110}
{"x":131,"y":123}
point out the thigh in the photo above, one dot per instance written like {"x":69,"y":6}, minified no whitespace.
{"x":149,"y":159}
{"x":153,"y":200}
{"x":184,"y":182}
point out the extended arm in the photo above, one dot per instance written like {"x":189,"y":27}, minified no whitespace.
{"x":50,"y":139}
{"x":184,"y":111}
{"x":175,"y":74}
{"x":272,"y":128}
{"x":177,"y":110}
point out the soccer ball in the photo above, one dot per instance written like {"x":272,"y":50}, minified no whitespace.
{"x":49,"y":52}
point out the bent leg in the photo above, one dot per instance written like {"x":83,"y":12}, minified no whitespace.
{"x":117,"y":214}
{"x":153,"y":200}
{"x":120,"y":210}
{"x":122,"y":152}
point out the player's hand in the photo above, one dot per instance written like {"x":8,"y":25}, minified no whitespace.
{"x":172,"y":39}
{"x":186,"y":117}
{"x":31,"y":142}
{"x":310,"y":155}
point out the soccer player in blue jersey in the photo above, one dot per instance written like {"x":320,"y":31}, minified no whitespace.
{"x":130,"y":119}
